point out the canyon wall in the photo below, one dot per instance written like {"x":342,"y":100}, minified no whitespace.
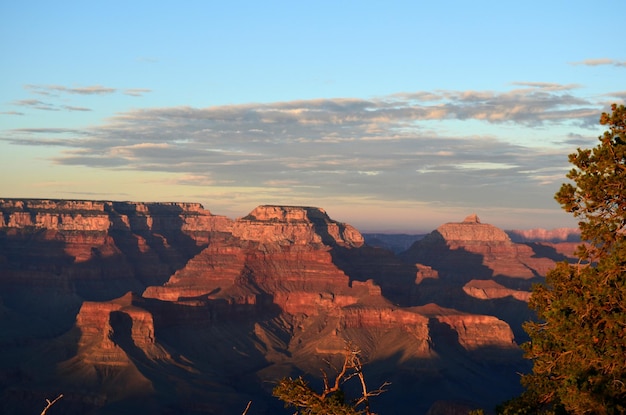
{"x":197,"y":312}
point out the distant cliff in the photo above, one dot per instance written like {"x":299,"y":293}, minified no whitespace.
{"x":545,"y":235}
{"x":80,"y":215}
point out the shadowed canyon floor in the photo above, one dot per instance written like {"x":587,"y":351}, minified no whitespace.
{"x":165,"y":308}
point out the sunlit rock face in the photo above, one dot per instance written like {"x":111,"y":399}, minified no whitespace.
{"x":473,"y":250}
{"x":273,"y":250}
{"x":472,"y":331}
{"x":471,"y":230}
{"x":98,"y":249}
{"x":81,"y":215}
{"x":131,"y":305}
{"x":490,"y":289}
{"x":295,"y":225}
{"x":476,"y":268}
{"x":108,"y":327}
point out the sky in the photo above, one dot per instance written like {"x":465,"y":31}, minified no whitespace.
{"x":393,"y":116}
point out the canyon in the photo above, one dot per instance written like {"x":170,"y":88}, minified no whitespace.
{"x":167,"y":308}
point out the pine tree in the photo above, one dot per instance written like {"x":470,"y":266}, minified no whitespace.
{"x":578,"y":344}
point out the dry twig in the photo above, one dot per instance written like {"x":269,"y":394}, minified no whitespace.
{"x":50,"y":403}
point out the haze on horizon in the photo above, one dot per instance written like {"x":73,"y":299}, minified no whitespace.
{"x":395,"y":117}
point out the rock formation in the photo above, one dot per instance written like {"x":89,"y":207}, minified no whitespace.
{"x":165,"y":307}
{"x":473,"y":250}
{"x":479,"y":266}
{"x":293,"y":225}
{"x":545,"y":235}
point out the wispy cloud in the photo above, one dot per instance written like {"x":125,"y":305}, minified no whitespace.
{"x":136,"y":92}
{"x":52,"y":92}
{"x":46,"y":106}
{"x":56,"y":89}
{"x":601,"y":62}
{"x":548,"y":86}
{"x":35,"y":104}
{"x":617,"y":94}
{"x":73,"y":108}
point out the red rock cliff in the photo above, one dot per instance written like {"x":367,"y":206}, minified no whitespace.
{"x":295,"y":225}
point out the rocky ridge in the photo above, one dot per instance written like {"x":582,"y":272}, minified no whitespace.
{"x":172,"y":298}
{"x":545,"y":235}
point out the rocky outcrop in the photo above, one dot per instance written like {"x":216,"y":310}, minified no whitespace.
{"x":295,"y":225}
{"x":108,"y":328}
{"x":470,"y":231}
{"x":473,"y":250}
{"x":102,"y":216}
{"x":471,"y":331}
{"x":276,"y":249}
{"x":477,"y":269}
{"x":545,"y":235}
{"x":489,"y":290}
{"x":54,"y":215}
{"x":96,"y":250}
{"x":168,"y":305}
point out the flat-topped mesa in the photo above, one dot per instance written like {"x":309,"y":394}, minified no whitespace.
{"x":85,"y":215}
{"x":295,"y":225}
{"x":70,"y":215}
{"x":165,"y":216}
{"x":545,"y":235}
{"x":473,"y":250}
{"x":470,"y":230}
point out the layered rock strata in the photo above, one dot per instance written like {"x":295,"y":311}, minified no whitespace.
{"x":295,"y":225}
{"x":80,"y":215}
{"x":174,"y":307}
{"x":473,"y":250}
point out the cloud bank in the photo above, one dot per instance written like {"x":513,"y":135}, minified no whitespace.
{"x":504,"y":149}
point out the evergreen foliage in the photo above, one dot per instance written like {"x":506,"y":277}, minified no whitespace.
{"x":578,"y":344}
{"x":297,"y":393}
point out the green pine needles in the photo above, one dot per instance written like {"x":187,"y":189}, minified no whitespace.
{"x":578,"y":344}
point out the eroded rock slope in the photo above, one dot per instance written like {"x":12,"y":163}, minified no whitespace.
{"x":167,"y":308}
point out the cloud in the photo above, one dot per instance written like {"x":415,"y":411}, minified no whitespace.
{"x":485,"y":166}
{"x":579,"y":140}
{"x":617,"y":94}
{"x":49,"y":131}
{"x":136,"y":92}
{"x":55,"y":89}
{"x":601,"y":62}
{"x":35,"y":104}
{"x":46,"y":106}
{"x":548,"y":86}
{"x":503,"y":147}
{"x":11,"y":113}
{"x":73,"y":108}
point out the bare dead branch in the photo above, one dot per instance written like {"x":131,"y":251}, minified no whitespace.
{"x":247,"y":407}
{"x":339,"y":378}
{"x":50,"y":403}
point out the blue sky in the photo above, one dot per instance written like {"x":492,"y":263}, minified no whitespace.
{"x":394,"y":116}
